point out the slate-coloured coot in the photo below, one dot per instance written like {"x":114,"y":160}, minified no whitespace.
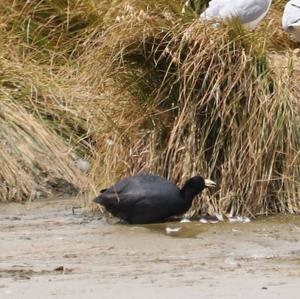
{"x":146,"y":198}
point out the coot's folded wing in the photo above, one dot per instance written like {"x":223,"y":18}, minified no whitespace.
{"x":127,"y":191}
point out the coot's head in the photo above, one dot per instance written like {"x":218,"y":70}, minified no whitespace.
{"x":195,"y":185}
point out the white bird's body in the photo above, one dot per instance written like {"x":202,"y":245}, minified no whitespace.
{"x":291,"y":19}
{"x":249,"y":12}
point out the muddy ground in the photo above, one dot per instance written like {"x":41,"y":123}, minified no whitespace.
{"x":47,"y":252}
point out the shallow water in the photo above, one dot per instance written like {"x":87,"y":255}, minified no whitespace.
{"x":47,"y":252}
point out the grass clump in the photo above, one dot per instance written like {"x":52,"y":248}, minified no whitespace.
{"x":200,"y":100}
{"x":139,"y":86}
{"x":34,"y":161}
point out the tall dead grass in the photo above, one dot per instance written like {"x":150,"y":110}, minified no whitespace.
{"x":33,"y":160}
{"x":194,"y":100}
{"x":137,"y":86}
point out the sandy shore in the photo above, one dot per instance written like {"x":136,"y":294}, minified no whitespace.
{"x":47,"y":252}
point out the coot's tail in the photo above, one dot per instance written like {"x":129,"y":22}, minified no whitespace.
{"x":98,"y":199}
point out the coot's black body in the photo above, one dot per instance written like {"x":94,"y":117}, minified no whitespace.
{"x":146,"y":198}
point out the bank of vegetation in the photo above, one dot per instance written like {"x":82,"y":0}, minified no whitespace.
{"x":136,"y":85}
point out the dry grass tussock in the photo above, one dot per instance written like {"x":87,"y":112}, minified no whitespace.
{"x":139,"y":87}
{"x":33,"y":160}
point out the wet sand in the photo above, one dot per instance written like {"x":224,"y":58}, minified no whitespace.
{"x":47,"y":252}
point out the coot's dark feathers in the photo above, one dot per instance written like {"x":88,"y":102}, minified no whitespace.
{"x":148,"y":198}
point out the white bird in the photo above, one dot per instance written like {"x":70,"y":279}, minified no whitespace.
{"x":249,"y":12}
{"x":291,"y":19}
